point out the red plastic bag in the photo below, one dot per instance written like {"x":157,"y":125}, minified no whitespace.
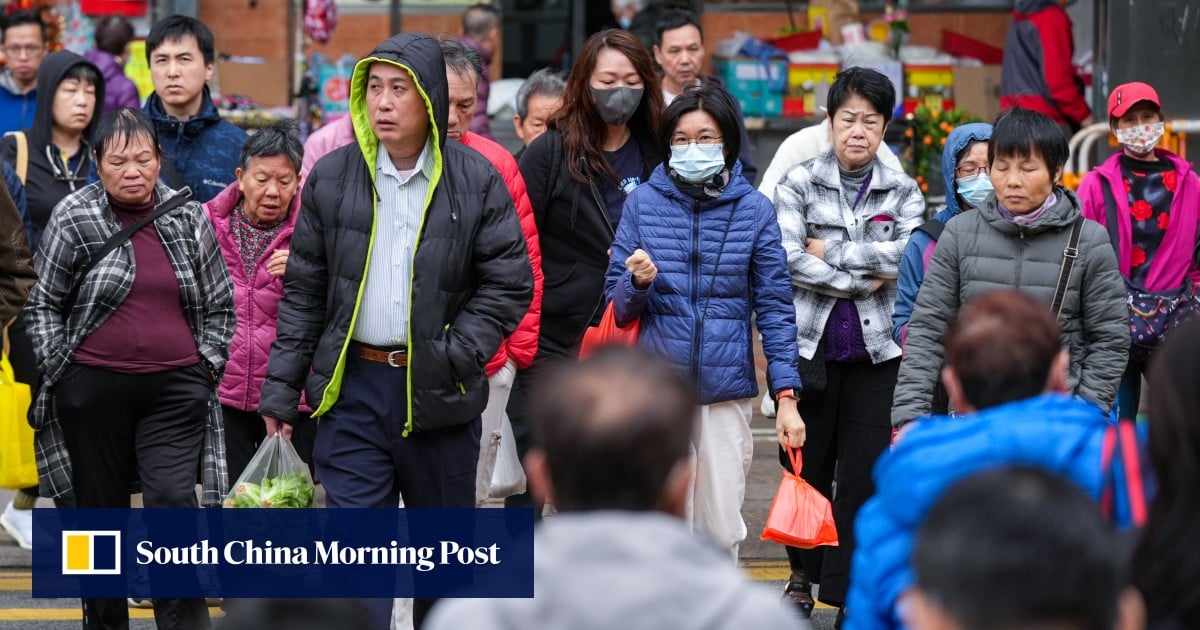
{"x":607,"y":333}
{"x":800,"y":515}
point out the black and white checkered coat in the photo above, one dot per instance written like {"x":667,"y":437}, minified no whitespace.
{"x":861,"y":244}
{"x":80,"y":224}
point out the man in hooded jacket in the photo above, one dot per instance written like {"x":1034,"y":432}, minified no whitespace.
{"x":407,"y":271}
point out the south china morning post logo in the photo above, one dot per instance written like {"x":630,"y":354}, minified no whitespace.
{"x":283,"y":553}
{"x":91,"y":552}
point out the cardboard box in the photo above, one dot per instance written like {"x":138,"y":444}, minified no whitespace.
{"x":977,"y":90}
{"x":266,"y":83}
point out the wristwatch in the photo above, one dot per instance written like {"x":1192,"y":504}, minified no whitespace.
{"x":786,"y":392}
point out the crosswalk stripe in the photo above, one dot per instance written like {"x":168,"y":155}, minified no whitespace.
{"x":72,"y":614}
{"x":16,"y":583}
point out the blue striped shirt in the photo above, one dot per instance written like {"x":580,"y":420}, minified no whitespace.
{"x":383,"y":313}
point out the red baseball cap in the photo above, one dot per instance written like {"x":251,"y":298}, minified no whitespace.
{"x":1128,"y":95}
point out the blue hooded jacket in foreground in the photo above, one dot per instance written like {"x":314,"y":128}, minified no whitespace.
{"x":696,"y":314}
{"x":1059,"y":433}
{"x":920,"y":244}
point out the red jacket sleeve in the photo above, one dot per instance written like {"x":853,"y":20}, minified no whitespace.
{"x":1058,"y":48}
{"x":522,"y":345}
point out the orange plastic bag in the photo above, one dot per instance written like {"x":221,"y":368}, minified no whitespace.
{"x":800,"y":515}
{"x":607,"y":333}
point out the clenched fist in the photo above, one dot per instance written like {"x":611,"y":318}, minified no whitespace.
{"x":642,"y":268}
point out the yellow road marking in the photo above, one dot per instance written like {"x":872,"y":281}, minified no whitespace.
{"x":9,"y":583}
{"x":74,"y":614}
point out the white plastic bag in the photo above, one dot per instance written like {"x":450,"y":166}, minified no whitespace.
{"x":276,"y":477}
{"x":508,"y":477}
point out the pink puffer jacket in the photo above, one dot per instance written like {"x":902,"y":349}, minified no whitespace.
{"x":255,"y":300}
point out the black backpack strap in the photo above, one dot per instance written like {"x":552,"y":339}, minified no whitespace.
{"x":116,"y":240}
{"x":933,"y":228}
{"x":1070,"y":253}
{"x":1110,"y":215}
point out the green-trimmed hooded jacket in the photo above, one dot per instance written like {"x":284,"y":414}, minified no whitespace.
{"x":471,"y":281}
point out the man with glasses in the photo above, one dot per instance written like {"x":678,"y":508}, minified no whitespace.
{"x":24,"y":48}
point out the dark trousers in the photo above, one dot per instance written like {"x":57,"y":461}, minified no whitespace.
{"x":518,"y":416}
{"x":245,"y":432}
{"x":848,"y":426}
{"x":121,"y":427}
{"x":364,"y":461}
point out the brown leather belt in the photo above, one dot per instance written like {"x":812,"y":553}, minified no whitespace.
{"x":394,"y":358}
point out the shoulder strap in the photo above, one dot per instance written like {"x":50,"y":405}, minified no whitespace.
{"x":1122,"y":436}
{"x":22,"y":165}
{"x":169,"y":174}
{"x":116,"y":240}
{"x":933,"y":228}
{"x":1068,"y":265}
{"x":1110,"y":215}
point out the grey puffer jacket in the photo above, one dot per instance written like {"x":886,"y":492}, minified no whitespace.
{"x":982,"y":252}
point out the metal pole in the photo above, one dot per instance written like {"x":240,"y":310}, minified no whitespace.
{"x":395,"y":17}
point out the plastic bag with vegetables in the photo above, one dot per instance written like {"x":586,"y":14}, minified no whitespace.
{"x":275,"y":478}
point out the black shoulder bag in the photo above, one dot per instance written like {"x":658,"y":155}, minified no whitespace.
{"x":115,"y":241}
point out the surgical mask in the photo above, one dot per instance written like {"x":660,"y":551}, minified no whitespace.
{"x":617,"y":105}
{"x":625,"y":22}
{"x":1141,"y":139}
{"x":696,"y":163}
{"x":975,"y":189}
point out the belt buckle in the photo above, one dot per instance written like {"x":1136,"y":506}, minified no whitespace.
{"x":391,"y":358}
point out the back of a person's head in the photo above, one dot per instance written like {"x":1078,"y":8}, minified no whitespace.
{"x":614,"y":428}
{"x":480,"y":18}
{"x":1167,"y":561}
{"x":296,"y":614}
{"x":113,"y":34}
{"x":1002,"y":348}
{"x":1017,"y":548}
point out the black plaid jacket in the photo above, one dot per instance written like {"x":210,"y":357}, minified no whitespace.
{"x":80,"y":224}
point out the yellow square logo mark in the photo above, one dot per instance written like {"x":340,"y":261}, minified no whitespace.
{"x":91,"y":552}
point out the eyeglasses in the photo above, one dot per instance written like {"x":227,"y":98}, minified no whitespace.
{"x":683,"y":141}
{"x":28,"y":50}
{"x":971,"y":170}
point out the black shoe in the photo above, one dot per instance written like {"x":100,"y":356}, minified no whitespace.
{"x":841,"y":616}
{"x":800,"y":594}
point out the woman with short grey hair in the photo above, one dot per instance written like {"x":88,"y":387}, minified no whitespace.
{"x":253,"y":219}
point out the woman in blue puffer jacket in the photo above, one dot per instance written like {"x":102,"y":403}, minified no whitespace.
{"x":697,"y":253}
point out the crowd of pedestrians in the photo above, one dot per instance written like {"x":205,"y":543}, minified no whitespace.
{"x":389,"y":292}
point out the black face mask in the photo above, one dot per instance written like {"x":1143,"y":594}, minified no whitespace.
{"x":617,"y":105}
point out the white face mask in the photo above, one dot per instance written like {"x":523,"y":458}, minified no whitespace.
{"x":1141,"y":139}
{"x":696,"y":162}
{"x":975,"y":189}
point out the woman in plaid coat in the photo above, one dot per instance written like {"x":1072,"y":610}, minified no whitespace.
{"x":130,"y":368}
{"x":845,"y":220}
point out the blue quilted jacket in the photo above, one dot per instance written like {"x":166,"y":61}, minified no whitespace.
{"x":1058,"y":433}
{"x":697,"y":312}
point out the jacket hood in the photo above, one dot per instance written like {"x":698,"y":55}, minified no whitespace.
{"x":1025,"y":7}
{"x":50,"y":74}
{"x":737,"y":187}
{"x":421,"y":56}
{"x":958,"y":140}
{"x":1065,"y":210}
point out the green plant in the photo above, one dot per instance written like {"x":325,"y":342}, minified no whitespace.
{"x":927,"y":131}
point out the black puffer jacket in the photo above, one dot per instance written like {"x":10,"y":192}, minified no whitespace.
{"x":471,"y":281}
{"x":575,"y":233}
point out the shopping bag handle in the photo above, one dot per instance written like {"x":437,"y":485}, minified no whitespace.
{"x":796,"y":458}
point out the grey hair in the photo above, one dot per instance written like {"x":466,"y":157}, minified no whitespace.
{"x":461,"y":58}
{"x":278,"y":138}
{"x":480,"y":18}
{"x":544,"y":82}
